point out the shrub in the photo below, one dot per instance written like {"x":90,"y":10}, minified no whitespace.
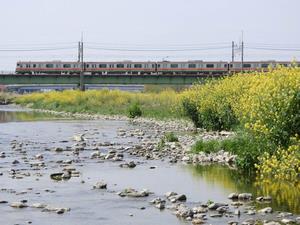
{"x":134,"y":110}
{"x":284,"y":164}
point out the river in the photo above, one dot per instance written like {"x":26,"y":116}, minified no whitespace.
{"x":40,"y":133}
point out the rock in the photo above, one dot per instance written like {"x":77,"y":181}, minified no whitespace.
{"x":55,"y":209}
{"x":266,"y":210}
{"x":95,"y":154}
{"x":285,"y":214}
{"x":251,"y":212}
{"x":61,"y":176}
{"x":214,"y":206}
{"x":170,"y":194}
{"x":128,"y":165}
{"x":222,"y":209}
{"x":233,"y":223}
{"x":271,"y":223}
{"x":181,"y":198}
{"x":78,"y":137}
{"x":197,"y":221}
{"x":288,"y":221}
{"x":129,"y":192}
{"x":100,"y":185}
{"x":157,"y":200}
{"x":233,"y":196}
{"x":18,"y":205}
{"x":38,"y":205}
{"x":200,"y":209}
{"x":184,"y":212}
{"x":58,"y":149}
{"x":245,"y":196}
{"x":160,"y":205}
{"x":264,"y":199}
{"x":39,"y":156}
{"x":15,"y":162}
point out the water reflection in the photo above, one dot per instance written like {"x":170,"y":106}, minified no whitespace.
{"x":286,"y":196}
{"x":16,"y":116}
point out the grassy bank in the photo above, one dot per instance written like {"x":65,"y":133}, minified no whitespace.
{"x":160,"y":105}
{"x":264,"y":107}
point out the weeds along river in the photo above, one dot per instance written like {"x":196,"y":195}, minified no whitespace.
{"x":33,"y":146}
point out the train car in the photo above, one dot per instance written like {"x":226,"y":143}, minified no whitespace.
{"x":54,"y":67}
{"x":192,"y":67}
{"x":122,"y":67}
{"x":257,"y":65}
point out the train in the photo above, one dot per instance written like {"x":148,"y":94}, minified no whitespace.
{"x":196,"y":67}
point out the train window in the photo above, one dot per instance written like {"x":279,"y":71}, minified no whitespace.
{"x":225,"y":65}
{"x":128,"y":65}
{"x":87,"y":65}
{"x":34,"y":65}
{"x":94,"y":65}
{"x":111,"y":66}
{"x":67,"y":66}
{"x":158,"y":65}
{"x":174,"y":65}
{"x":137,"y":65}
{"x":192,"y":65}
{"x":153,"y":65}
{"x":49,"y":65}
{"x":120,"y":65}
{"x":265,"y":65}
{"x":210,"y":65}
{"x":247,"y":65}
{"x":102,"y":66}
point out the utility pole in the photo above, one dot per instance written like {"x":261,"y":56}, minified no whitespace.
{"x":232,"y":52}
{"x":79,"y":50}
{"x":242,"y":55}
{"x":82,"y":86}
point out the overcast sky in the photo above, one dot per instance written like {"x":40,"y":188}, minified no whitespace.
{"x":148,"y":24}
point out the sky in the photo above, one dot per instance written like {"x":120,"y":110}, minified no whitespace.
{"x":148,"y":30}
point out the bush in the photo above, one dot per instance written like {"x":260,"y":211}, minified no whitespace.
{"x":134,"y":110}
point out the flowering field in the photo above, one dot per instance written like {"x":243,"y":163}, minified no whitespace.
{"x":265,"y":106}
{"x":108,"y":102}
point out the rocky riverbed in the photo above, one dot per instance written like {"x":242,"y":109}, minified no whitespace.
{"x":111,"y":170}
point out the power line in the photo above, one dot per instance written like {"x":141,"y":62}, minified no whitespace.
{"x":37,"y":49}
{"x":157,"y":50}
{"x":274,"y":49}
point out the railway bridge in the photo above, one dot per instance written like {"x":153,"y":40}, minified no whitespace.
{"x":58,"y":79}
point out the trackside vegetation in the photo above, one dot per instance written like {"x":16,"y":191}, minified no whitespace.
{"x":263,"y":108}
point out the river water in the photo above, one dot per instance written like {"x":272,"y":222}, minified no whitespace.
{"x":40,"y":133}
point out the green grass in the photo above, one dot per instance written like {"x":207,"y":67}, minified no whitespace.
{"x":246,"y":147}
{"x":107,"y":102}
{"x":171,"y":137}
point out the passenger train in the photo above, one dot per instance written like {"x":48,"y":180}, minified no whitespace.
{"x":145,"y":68}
